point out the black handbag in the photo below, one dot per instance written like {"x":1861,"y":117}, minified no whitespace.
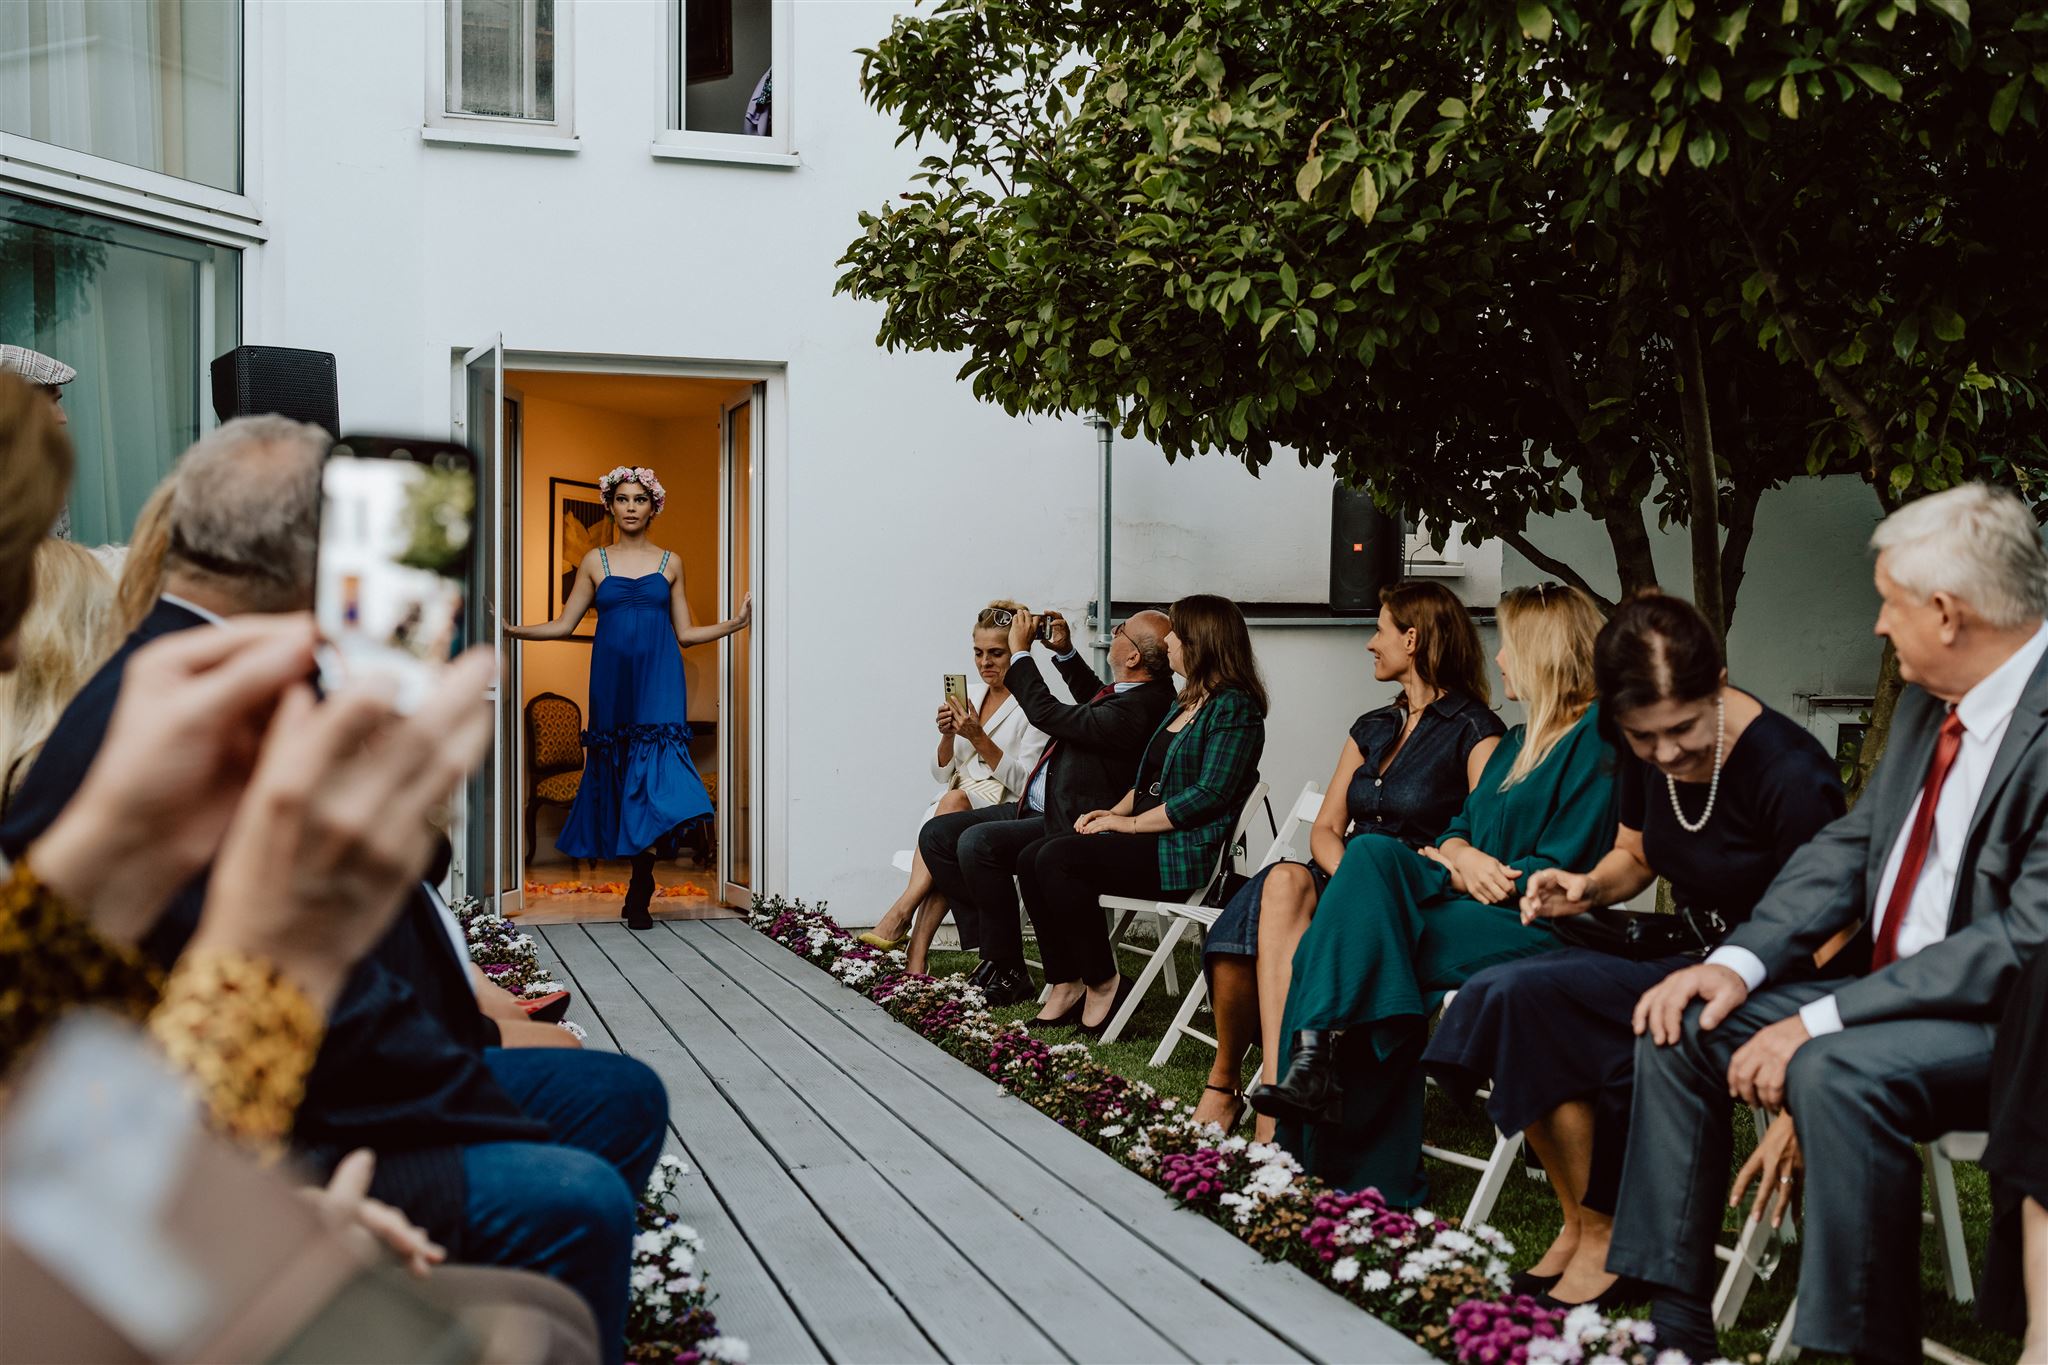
{"x":1643,"y":935}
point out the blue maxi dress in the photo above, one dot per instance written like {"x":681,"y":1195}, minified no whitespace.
{"x":640,"y":789}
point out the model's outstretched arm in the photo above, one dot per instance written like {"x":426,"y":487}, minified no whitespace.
{"x":688,"y":634}
{"x":581,"y":594}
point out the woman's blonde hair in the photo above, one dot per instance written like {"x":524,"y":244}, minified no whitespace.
{"x":70,"y":629}
{"x":987,"y":618}
{"x":142,"y":572}
{"x":35,"y":479}
{"x":1547,"y":633}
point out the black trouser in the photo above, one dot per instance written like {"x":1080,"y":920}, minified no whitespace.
{"x":1063,"y":876}
{"x":1862,"y":1097}
{"x":972,"y":856}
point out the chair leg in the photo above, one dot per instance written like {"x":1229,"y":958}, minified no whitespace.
{"x":532,"y":825}
{"x":1948,"y":1226}
{"x":1781,"y":1344}
{"x":1183,"y":1019}
{"x":1160,"y":958}
{"x":1745,"y":1261}
{"x":1492,"y":1179}
{"x":1172,"y":972}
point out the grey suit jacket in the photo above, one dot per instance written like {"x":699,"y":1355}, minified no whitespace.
{"x":1999,"y":917}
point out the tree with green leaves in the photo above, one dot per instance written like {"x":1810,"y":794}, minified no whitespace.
{"x":1494,"y":260}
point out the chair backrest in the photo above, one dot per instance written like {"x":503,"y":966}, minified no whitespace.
{"x":1238,"y":831}
{"x":1291,"y":839}
{"x":554,"y":735}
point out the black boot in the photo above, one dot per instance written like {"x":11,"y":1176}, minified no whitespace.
{"x":1309,"y":1092}
{"x":640,"y":894}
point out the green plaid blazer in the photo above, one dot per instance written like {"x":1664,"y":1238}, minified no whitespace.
{"x":1211,"y":768}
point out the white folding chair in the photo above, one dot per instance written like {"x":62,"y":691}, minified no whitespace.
{"x":1173,"y":920}
{"x":1493,"y":1168}
{"x":1755,"y":1254}
{"x":1290,"y":840}
{"x":1939,"y":1158}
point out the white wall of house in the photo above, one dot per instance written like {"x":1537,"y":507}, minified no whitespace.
{"x":896,"y":504}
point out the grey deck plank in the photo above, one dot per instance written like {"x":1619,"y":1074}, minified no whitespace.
{"x":960,"y":1192}
{"x":962,"y":1312}
{"x":1310,"y":1318}
{"x":1146,"y":1286}
{"x":599,"y":1037}
{"x":811,"y":1299}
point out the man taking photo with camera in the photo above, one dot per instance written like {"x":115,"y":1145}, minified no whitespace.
{"x":1096,"y":744}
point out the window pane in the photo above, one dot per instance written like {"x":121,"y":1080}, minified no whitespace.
{"x":727,"y":47}
{"x":156,"y":85}
{"x":139,"y":315}
{"x":501,"y":58}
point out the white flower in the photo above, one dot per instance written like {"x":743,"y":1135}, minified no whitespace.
{"x":1582,"y":1322}
{"x":1423,"y":1217}
{"x":1378,"y":1280}
{"x":681,"y":1261}
{"x":1608,"y":1359}
{"x":1675,"y":1358}
{"x":1345,"y":1270}
{"x":1450,"y":1239}
{"x":731,"y":1350}
{"x":573,"y":1029}
{"x":672,"y":1162}
{"x":1112,"y":1130}
{"x":649,"y":1243}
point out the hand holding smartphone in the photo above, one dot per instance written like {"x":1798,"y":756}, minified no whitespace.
{"x":397,"y":524}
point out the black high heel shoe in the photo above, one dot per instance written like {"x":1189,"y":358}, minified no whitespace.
{"x":1067,"y":1020}
{"x":1123,"y":993}
{"x":1523,"y":1282}
{"x":1627,"y":1289}
{"x":1309,"y":1092}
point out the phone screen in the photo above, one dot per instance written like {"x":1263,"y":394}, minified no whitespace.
{"x":397,"y":522}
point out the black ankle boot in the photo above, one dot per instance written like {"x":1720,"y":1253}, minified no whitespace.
{"x":639,"y":895}
{"x":1309,"y":1092}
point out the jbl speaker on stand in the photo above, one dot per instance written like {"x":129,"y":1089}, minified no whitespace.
{"x":293,"y":383}
{"x":1366,"y":551}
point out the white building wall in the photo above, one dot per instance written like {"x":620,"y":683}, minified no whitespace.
{"x":898,"y":504}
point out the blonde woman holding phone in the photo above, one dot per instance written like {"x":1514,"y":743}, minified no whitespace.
{"x":986,"y":751}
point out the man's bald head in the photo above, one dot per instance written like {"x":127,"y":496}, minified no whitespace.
{"x":1143,"y":656}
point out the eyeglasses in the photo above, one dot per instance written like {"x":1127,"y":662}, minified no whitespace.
{"x":1119,"y":629}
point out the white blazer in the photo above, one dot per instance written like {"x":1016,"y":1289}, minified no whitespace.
{"x":1022,"y":745}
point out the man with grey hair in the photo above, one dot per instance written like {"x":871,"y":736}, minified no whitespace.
{"x":1938,"y":883}
{"x":245,"y":519}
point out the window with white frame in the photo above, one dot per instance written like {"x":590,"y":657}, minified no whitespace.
{"x":138,"y":313}
{"x":156,"y":86}
{"x":731,"y":65}
{"x":504,"y":64}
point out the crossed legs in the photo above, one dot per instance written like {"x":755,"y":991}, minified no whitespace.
{"x":920,"y":899}
{"x":1250,"y":994}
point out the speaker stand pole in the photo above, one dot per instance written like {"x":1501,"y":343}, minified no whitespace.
{"x":1105,"y":433}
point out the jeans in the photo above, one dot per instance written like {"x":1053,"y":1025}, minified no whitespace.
{"x":567,"y":1209}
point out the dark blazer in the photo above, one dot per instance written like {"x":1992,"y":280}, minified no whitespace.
{"x":401,"y":1069}
{"x":1211,"y":768}
{"x":1999,"y":918}
{"x":1099,"y":742}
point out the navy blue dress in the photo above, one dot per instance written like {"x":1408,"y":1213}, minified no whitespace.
{"x":640,"y":789}
{"x":1413,"y":800}
{"x":1553,"y":1028}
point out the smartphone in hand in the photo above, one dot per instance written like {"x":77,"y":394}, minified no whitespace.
{"x":956,"y":688}
{"x":397,"y":524}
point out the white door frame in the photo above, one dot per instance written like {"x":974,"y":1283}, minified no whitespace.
{"x":771,"y":596}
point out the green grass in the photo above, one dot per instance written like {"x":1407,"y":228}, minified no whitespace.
{"x":1527,"y":1212}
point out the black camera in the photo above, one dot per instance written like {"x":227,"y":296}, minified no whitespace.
{"x":1044,"y":632}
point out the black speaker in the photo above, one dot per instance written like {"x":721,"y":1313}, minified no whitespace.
{"x":1366,"y":550}
{"x":293,"y":383}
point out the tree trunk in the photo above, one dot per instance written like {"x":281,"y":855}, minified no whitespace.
{"x":1735,"y":552}
{"x":1702,"y":479}
{"x":1884,"y":703}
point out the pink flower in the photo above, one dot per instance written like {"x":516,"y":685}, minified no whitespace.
{"x":633,"y":474}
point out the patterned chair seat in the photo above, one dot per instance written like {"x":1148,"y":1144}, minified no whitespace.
{"x":561,"y":787}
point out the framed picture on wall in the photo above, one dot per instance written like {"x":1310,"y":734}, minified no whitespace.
{"x":579,"y":525}
{"x":707,"y":40}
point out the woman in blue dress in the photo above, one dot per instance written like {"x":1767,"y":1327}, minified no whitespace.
{"x":640,"y":791}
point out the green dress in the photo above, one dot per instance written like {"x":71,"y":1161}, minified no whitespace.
{"x":1390,"y":937}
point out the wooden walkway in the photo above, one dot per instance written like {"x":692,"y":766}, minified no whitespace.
{"x":864,"y":1197}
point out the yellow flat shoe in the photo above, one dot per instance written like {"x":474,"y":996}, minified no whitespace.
{"x":875,"y":940}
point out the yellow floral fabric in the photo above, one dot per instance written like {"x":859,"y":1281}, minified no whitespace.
{"x":51,"y":960}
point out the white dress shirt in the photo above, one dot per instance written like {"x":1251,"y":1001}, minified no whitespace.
{"x":1985,"y":710}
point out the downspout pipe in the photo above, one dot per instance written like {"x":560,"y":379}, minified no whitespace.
{"x":1105,"y":434}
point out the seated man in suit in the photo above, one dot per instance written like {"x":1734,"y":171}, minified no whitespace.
{"x":1096,"y":745}
{"x":1942,"y":863}
{"x":529,"y":1158}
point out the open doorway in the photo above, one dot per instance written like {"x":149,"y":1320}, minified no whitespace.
{"x":561,"y":431}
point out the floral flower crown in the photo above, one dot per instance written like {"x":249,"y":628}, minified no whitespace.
{"x":629,"y":474}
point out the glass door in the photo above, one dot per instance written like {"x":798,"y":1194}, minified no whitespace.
{"x":739,"y":687}
{"x":481,"y":853}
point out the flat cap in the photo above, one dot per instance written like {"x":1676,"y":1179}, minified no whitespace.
{"x":34,"y":366}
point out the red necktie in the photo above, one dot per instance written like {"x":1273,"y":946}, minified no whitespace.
{"x":1886,"y":950}
{"x":1046,"y":757}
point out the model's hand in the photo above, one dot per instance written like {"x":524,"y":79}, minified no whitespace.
{"x":966,"y":723}
{"x":1661,"y":1011}
{"x":745,"y":617}
{"x":946,"y":717}
{"x":1778,"y":1167}
{"x":1487,"y":879}
{"x":1554,"y":893}
{"x":1059,"y":637}
{"x":347,"y":1207}
{"x":1756,"y":1073}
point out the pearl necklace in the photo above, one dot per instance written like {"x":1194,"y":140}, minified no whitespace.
{"x":1714,"y":785}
